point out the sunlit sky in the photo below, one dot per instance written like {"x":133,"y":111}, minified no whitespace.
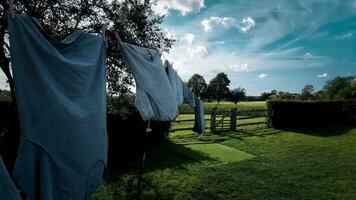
{"x":261,"y":45}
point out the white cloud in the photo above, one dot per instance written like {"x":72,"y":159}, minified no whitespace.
{"x":209,"y":23}
{"x":199,"y":51}
{"x":184,"y":6}
{"x":3,"y":81}
{"x":245,"y":67}
{"x":170,"y":33}
{"x":263,"y":75}
{"x":247,"y":23}
{"x":308,"y":56}
{"x":345,"y":36}
{"x":188,"y":38}
{"x":323,"y":75}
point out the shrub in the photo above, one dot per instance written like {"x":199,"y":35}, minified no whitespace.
{"x":301,"y":114}
{"x":127,"y":137}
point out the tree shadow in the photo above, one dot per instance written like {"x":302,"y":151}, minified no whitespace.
{"x":326,"y":131}
{"x":242,"y":133}
{"x":160,"y":156}
{"x":176,"y":156}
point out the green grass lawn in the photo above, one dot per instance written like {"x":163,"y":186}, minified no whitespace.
{"x":254,"y":162}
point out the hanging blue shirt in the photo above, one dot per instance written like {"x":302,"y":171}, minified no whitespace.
{"x":155,"y":98}
{"x":61,"y":97}
{"x":8,"y":189}
{"x":176,"y":82}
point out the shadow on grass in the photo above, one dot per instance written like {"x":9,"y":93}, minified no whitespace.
{"x":326,"y":131}
{"x":241,"y":134}
{"x":160,"y":156}
{"x":170,"y":155}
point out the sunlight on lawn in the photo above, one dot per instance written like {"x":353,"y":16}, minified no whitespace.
{"x":220,"y":152}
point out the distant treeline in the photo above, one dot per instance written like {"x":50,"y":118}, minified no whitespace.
{"x":339,"y":88}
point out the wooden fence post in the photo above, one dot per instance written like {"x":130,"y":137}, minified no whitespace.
{"x":233,"y":118}
{"x":213,"y":120}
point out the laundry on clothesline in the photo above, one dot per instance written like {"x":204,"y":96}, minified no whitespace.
{"x":61,"y":97}
{"x":188,"y":96}
{"x":8,"y":188}
{"x":199,"y":125}
{"x":155,"y":98}
{"x":176,"y":82}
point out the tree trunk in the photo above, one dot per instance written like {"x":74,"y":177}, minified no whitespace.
{"x":13,"y":134}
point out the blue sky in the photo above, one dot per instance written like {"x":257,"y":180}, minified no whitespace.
{"x":262,"y":45}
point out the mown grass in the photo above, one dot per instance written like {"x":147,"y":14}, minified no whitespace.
{"x":253,"y":162}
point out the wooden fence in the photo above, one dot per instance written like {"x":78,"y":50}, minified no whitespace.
{"x":225,"y":120}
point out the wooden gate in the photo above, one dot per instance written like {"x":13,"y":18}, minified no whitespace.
{"x":223,"y":121}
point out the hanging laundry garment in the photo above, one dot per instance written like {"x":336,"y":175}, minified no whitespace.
{"x":155,"y":98}
{"x":199,"y":125}
{"x":61,"y":97}
{"x":176,"y":82}
{"x":8,"y":189}
{"x":188,"y":96}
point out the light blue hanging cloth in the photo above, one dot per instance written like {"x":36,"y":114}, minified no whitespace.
{"x":199,"y":125}
{"x":61,"y":97}
{"x":155,"y":98}
{"x":8,"y":189}
{"x":176,"y":82}
{"x":188,"y":96}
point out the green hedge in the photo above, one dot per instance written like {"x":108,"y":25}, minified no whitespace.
{"x":301,"y":114}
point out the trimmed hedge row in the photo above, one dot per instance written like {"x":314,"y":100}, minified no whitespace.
{"x":301,"y":114}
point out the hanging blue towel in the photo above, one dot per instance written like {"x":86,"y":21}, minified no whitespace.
{"x":188,"y":96}
{"x":8,"y":189}
{"x":61,"y":98}
{"x":155,"y":98}
{"x":176,"y":83}
{"x":199,"y":125}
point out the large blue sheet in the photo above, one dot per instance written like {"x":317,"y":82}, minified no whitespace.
{"x":61,"y":97}
{"x":155,"y":98}
{"x":8,"y":189}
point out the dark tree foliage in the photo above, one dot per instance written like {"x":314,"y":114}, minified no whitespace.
{"x":197,"y":84}
{"x":219,"y":87}
{"x":237,"y":94}
{"x":132,"y":19}
{"x":307,"y":92}
{"x":340,"y":88}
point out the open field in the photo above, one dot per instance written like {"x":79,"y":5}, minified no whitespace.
{"x":223,"y":106}
{"x":254,"y":162}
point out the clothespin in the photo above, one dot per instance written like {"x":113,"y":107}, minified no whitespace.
{"x":148,"y":129}
{"x":118,"y":37}
{"x":11,"y":9}
{"x":103,"y":33}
